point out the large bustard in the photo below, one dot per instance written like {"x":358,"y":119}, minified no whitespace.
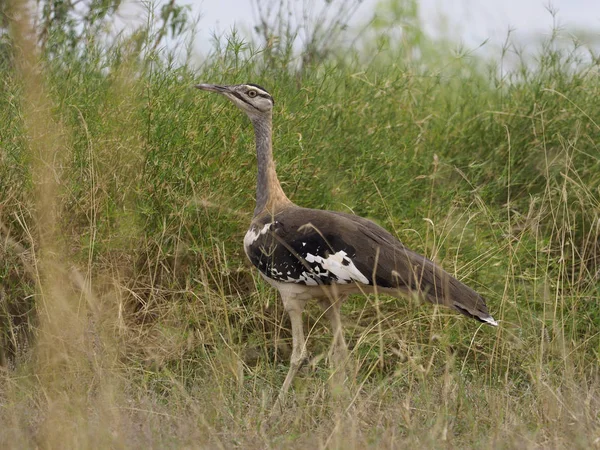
{"x":327,"y":255}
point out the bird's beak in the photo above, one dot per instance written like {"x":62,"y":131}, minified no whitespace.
{"x":212,"y":88}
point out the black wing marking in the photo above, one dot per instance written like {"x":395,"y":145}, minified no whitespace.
{"x":300,"y":252}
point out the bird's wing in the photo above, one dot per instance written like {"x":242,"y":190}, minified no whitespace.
{"x":316,"y":247}
{"x":304,"y":246}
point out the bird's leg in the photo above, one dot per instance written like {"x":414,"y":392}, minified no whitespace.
{"x":294,"y":308}
{"x":339,"y":349}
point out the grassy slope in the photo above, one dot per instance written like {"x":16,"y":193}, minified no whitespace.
{"x":166,"y":336}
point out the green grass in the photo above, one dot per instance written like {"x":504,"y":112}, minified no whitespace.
{"x":129,"y":316}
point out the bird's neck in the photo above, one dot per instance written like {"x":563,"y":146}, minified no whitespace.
{"x":269,"y":194}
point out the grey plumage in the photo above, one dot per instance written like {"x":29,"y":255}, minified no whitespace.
{"x":327,"y":255}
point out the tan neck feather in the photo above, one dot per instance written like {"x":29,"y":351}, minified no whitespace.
{"x":269,"y":194}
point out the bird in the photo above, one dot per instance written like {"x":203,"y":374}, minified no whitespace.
{"x":312,"y":254}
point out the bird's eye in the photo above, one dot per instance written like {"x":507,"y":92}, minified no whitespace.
{"x":252,"y":93}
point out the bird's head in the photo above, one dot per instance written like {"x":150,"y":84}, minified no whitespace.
{"x":254,"y":100}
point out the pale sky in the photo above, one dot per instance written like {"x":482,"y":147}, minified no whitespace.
{"x":466,"y":22}
{"x":470,"y":21}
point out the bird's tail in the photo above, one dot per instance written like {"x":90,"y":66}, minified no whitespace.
{"x":420,"y":275}
{"x":468,"y":302}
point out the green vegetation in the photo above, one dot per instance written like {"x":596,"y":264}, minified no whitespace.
{"x":129,"y":316}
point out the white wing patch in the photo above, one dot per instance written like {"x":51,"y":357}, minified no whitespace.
{"x":340,"y":265}
{"x":253,"y":234}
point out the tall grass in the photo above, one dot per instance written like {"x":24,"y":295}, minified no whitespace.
{"x":130,"y":318}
